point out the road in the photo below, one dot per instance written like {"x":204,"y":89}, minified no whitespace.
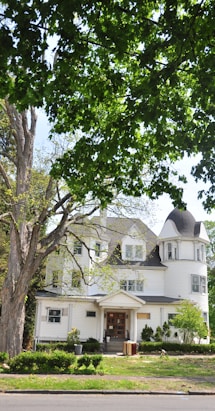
{"x":93,"y":402}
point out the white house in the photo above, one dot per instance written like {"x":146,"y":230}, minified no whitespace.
{"x":112,"y":276}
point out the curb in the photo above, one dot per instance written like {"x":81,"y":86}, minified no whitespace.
{"x":106,"y":392}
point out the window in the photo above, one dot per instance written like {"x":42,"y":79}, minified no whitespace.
{"x":139,"y":285}
{"x":138,"y":252}
{"x":123,"y":285}
{"x":76,"y":279}
{"x":171,"y":251}
{"x":91,"y":314}
{"x":169,"y":248}
{"x":128,"y":252}
{"x":77,"y":247}
{"x":133,"y":252}
{"x":205,"y":316}
{"x":199,"y":284}
{"x":200,"y":253}
{"x":131,"y":285}
{"x":55,"y":279}
{"x":54,"y":316}
{"x":98,"y":249}
{"x":171,"y":317}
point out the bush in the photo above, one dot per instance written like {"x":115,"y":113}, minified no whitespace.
{"x":39,"y":362}
{"x":91,"y":345}
{"x":88,"y":361}
{"x":4,"y":357}
{"x":176,"y":348}
{"x":147,"y":333}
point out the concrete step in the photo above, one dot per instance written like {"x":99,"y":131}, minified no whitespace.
{"x":113,"y":346}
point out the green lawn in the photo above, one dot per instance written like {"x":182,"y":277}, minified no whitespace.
{"x":145,"y":373}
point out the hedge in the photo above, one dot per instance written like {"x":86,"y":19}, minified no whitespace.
{"x":57,"y":362}
{"x":176,"y":348}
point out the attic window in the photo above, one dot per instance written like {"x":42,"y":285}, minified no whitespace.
{"x":133,"y":252}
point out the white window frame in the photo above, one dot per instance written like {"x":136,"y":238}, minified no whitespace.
{"x":134,"y":252}
{"x":198,"y":284}
{"x":132,"y":285}
{"x":77,"y":247}
{"x":54,"y":313}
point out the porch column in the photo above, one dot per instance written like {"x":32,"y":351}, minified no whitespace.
{"x":134,"y":326}
{"x":101,"y":325}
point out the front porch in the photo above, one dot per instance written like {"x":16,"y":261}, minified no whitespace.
{"x":118,"y":319}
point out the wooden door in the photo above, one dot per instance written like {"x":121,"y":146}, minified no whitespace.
{"x":116,"y":325}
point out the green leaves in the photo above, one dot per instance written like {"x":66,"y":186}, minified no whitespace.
{"x":135,"y":78}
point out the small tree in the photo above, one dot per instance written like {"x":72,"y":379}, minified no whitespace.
{"x":147,"y":333}
{"x":190,"y":322}
{"x":166,"y":330}
{"x":158,"y":334}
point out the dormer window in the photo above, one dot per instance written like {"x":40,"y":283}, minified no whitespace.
{"x":133,"y":252}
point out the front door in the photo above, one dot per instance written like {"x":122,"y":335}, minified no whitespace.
{"x":116,"y":325}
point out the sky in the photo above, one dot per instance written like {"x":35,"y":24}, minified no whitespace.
{"x":163,"y":206}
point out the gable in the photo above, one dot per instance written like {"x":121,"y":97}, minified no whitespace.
{"x":120,"y":299}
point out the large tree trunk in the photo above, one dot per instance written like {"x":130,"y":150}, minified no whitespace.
{"x":15,"y":287}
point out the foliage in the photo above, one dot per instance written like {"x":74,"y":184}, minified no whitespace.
{"x":147,"y":333}
{"x":133,"y":80}
{"x":86,"y":362}
{"x":210,"y":255}
{"x":134,"y":77}
{"x":91,"y":345}
{"x":4,"y":357}
{"x":38,"y":362}
{"x":190,"y":322}
{"x":158,"y":336}
{"x":73,"y":336}
{"x":176,"y":348}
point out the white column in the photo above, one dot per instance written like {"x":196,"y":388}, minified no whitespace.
{"x":101,"y":324}
{"x":134,"y":326}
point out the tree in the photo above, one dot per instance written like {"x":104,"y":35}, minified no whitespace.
{"x":190,"y":322}
{"x":147,"y":333}
{"x":210,"y":256}
{"x":133,"y":79}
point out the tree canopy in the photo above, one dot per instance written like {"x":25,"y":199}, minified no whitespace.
{"x":190,"y":322}
{"x":135,"y":78}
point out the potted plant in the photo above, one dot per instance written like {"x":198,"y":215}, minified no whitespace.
{"x":74,"y":340}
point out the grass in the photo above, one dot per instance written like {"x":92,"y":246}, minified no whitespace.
{"x":139,"y":373}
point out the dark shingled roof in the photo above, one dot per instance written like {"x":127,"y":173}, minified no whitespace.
{"x":185,"y":222}
{"x":158,"y":299}
{"x":117,"y":228}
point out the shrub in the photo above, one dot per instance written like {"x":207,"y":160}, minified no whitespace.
{"x":147,"y":333}
{"x":4,"y":357}
{"x":39,"y":362}
{"x":96,"y":359}
{"x":91,"y":345}
{"x":90,"y":364}
{"x":73,"y":337}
